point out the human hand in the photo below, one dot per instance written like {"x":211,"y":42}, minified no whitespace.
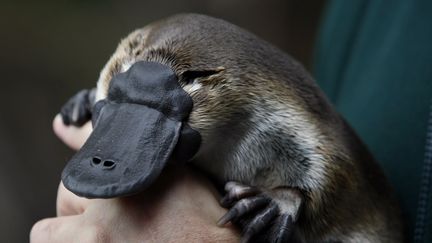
{"x":180,"y":207}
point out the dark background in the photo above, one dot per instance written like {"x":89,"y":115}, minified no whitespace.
{"x":51,"y":49}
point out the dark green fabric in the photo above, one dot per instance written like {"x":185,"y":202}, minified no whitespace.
{"x":374,"y":61}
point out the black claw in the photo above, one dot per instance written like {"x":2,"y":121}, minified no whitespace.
{"x":231,"y":214}
{"x":260,"y":222}
{"x":242,"y":207}
{"x":257,"y":214}
{"x":283,"y":228}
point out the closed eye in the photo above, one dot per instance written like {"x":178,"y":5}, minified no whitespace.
{"x":189,"y":77}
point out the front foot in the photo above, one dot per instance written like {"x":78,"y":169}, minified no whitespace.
{"x":77,"y":110}
{"x":265,"y":216}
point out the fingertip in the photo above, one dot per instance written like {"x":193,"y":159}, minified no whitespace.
{"x":72,"y":136}
{"x":41,"y":230}
{"x":61,"y":130}
{"x":58,"y":125}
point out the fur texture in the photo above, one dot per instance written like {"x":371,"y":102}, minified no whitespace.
{"x":265,"y":123}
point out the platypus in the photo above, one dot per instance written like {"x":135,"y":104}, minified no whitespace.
{"x":243,"y":112}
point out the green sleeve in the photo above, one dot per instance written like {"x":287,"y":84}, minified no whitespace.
{"x":374,"y":61}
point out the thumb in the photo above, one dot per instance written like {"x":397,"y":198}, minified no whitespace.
{"x":68,"y":229}
{"x":53,"y":230}
{"x":72,"y":136}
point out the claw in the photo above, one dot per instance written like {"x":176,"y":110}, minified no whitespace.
{"x":227,"y":217}
{"x":242,"y":207}
{"x":264,"y":216}
{"x":260,"y":222}
{"x":283,"y":230}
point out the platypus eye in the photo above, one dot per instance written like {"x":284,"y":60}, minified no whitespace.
{"x":189,"y":77}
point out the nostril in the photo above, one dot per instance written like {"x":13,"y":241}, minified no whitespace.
{"x":108,"y":164}
{"x":96,"y":160}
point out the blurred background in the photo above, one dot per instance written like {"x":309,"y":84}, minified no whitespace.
{"x":52,"y":49}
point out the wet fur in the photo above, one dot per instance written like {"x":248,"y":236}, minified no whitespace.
{"x":265,"y":123}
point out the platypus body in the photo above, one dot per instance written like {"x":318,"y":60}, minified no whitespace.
{"x":294,"y":170}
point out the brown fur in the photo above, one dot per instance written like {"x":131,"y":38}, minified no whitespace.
{"x":264,"y":122}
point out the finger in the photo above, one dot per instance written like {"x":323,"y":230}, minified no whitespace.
{"x":50,"y":230}
{"x":69,"y":203}
{"x":69,"y":229}
{"x":72,"y":136}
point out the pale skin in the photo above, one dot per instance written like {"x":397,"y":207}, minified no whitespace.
{"x":181,"y":206}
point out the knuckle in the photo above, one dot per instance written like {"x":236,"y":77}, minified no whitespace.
{"x":41,"y":230}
